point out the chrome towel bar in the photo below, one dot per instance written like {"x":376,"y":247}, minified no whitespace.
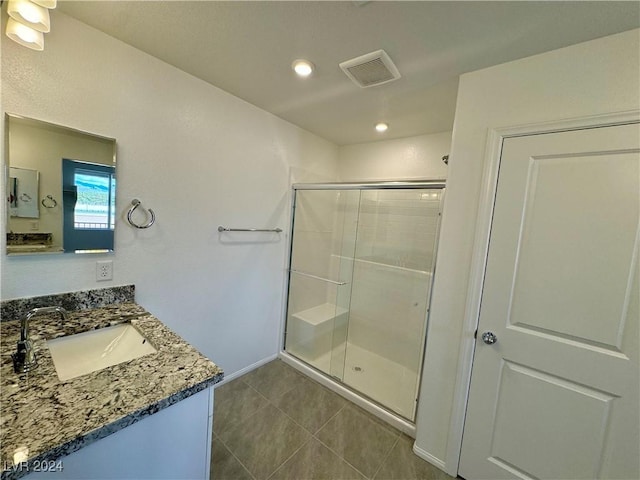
{"x":227,"y":229}
{"x":304,"y":274}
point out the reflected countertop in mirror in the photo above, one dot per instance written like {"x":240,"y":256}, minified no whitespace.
{"x":61,"y":185}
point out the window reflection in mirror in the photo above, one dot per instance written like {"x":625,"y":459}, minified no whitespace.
{"x":88,"y":192}
{"x":75,"y":192}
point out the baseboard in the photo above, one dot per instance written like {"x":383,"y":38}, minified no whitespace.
{"x":426,"y":456}
{"x":239,"y":373}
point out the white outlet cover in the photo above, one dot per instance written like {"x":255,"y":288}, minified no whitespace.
{"x":104,"y":270}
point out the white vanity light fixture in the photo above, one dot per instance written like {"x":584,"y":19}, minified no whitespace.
{"x":28,"y":21}
{"x":303,"y":68}
{"x":30,"y":14}
{"x":46,"y":3}
{"x":25,"y":36}
{"x":381,"y":127}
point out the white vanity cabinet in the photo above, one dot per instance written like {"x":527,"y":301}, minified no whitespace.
{"x":174,"y":443}
{"x":147,"y":418}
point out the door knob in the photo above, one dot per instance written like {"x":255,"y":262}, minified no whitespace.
{"x":489,"y":338}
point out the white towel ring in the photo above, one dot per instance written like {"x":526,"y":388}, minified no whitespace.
{"x":135,"y":203}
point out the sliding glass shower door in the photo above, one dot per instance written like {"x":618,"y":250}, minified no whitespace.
{"x":324,"y":231}
{"x":361,"y":266}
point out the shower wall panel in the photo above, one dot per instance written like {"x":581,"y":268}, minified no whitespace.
{"x":387,"y":314}
{"x":392,"y":273}
{"x":313,"y":230}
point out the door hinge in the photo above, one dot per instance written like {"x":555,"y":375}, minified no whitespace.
{"x":475,"y":334}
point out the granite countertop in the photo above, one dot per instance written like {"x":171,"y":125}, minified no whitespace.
{"x":53,"y":418}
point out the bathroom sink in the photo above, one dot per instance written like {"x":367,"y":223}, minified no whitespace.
{"x":87,"y":352}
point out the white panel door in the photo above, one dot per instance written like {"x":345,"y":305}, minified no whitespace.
{"x":556,"y":396}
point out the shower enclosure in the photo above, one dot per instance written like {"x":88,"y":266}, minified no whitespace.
{"x":361,"y":264}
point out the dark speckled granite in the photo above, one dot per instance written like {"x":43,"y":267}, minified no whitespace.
{"x":30,"y":238}
{"x":55,"y":418}
{"x":14,"y":309}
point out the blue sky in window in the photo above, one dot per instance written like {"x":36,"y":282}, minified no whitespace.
{"x":92,"y":182}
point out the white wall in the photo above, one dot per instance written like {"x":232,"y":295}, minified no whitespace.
{"x":592,"y":78}
{"x":408,"y":158}
{"x":196,"y":155}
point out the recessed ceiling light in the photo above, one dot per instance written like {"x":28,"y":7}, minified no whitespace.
{"x":303,"y":68}
{"x":381,"y":127}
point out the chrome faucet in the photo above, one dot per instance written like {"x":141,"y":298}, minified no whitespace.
{"x":24,"y":360}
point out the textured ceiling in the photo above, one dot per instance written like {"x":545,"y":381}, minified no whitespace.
{"x":246,"y":49}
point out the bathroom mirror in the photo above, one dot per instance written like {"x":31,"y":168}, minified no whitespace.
{"x":60,"y":189}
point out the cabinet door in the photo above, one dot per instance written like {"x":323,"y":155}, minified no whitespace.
{"x":174,"y":443}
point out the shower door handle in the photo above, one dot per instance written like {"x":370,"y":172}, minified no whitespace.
{"x":305,"y":274}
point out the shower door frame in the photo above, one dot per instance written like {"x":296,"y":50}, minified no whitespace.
{"x":357,"y":397}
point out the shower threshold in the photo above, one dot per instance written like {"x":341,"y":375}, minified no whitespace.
{"x":378,"y":387}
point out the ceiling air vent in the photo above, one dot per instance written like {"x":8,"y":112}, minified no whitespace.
{"x":372,"y":69}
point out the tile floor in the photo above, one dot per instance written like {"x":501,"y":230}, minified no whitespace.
{"x":274,"y":423}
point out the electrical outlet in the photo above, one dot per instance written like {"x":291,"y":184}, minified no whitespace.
{"x":35,"y":225}
{"x":104,"y":270}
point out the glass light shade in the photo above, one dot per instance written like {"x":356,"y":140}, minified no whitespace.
{"x":25,"y":36}
{"x":30,"y":14}
{"x":46,"y":3}
{"x":303,"y":68}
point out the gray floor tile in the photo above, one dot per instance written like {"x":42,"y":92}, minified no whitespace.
{"x":233,"y":403}
{"x":403,"y":464}
{"x":263,"y":441}
{"x":224,"y":466}
{"x":261,"y":433}
{"x":310,"y":404}
{"x":229,"y":390}
{"x":359,"y":439}
{"x":375,"y":419}
{"x":314,"y":461}
{"x":273,"y":379}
